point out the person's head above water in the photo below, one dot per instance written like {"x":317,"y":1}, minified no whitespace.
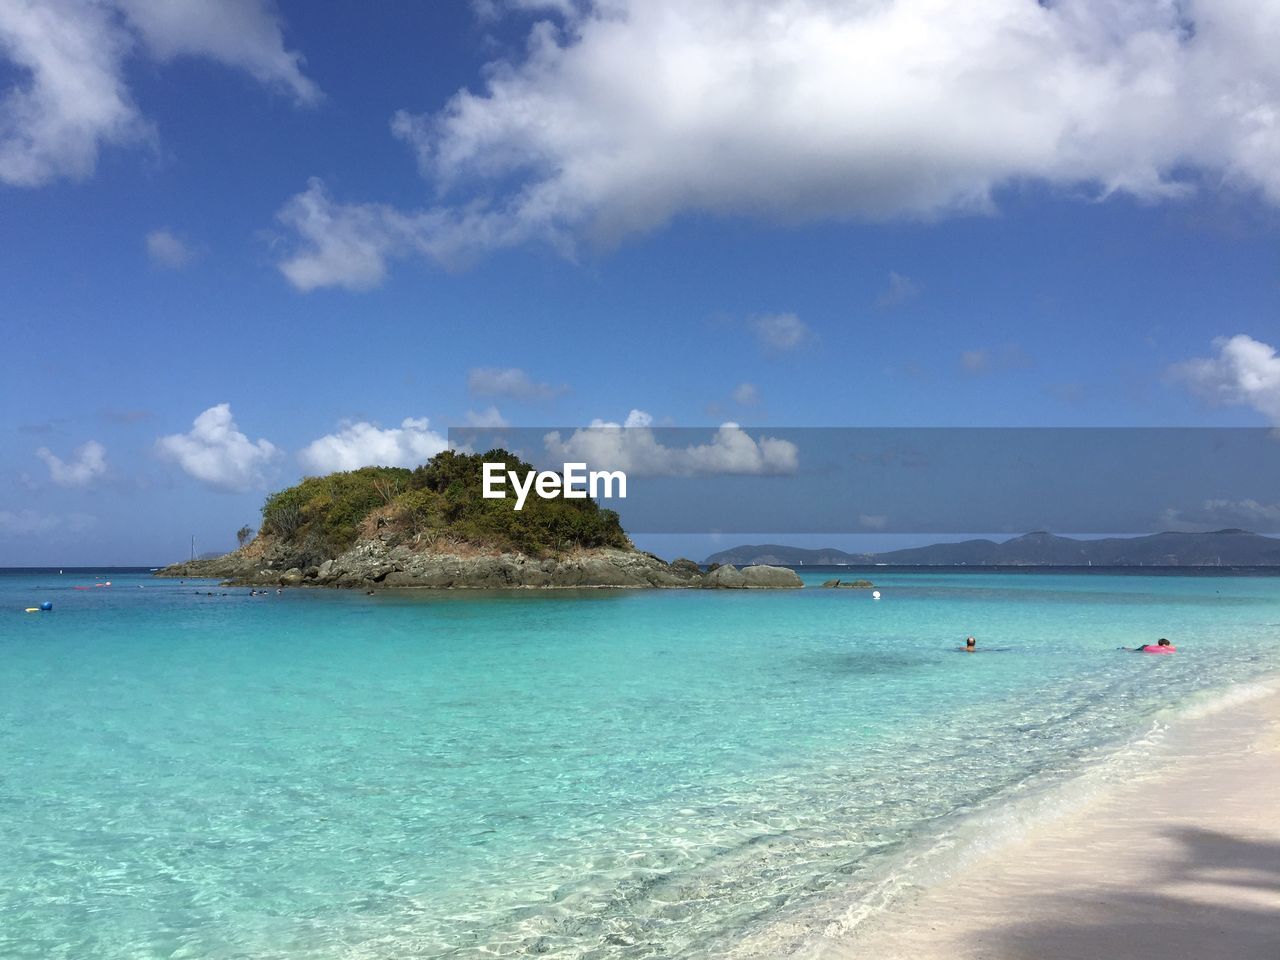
{"x":971,"y":642}
{"x":1162,"y":642}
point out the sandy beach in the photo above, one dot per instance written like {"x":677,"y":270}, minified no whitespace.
{"x":1180,"y":864}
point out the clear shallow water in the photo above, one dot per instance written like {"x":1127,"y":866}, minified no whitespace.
{"x":597,"y":774}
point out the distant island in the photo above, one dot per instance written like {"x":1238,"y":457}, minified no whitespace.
{"x":431,"y":527}
{"x":1234,"y":548}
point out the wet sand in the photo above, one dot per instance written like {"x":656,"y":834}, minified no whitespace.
{"x":1181,"y":864}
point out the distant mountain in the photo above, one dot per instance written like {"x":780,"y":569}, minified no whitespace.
{"x":776,"y":553}
{"x":1236,"y":548}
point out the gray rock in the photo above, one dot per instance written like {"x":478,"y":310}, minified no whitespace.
{"x":727,"y":577}
{"x":685,"y":568}
{"x":763,"y":576}
{"x":374,"y":562}
{"x":756,"y":577}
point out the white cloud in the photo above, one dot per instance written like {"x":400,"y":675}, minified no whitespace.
{"x":71,"y":97}
{"x":635,"y":419}
{"x":75,"y":97}
{"x":166,"y":249}
{"x":247,"y":34}
{"x":781,"y":331}
{"x":215,"y":452}
{"x":900,"y":290}
{"x":489,"y":418}
{"x":873,"y":521}
{"x":746,"y":394}
{"x":975,"y":361}
{"x":633,"y":447}
{"x":343,"y":245}
{"x":635,"y":111}
{"x":366,"y":445}
{"x":87,"y":464}
{"x":509,"y":382}
{"x":1246,"y":372}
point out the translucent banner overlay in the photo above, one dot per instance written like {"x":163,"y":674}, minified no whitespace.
{"x":799,"y":480}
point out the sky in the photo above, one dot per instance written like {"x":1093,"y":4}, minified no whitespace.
{"x":245,"y":241}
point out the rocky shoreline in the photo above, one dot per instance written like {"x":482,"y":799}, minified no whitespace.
{"x":375,"y":564}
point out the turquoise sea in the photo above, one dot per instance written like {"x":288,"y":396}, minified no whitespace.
{"x":601,"y":774}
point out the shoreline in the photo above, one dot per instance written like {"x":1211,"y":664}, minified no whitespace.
{"x":1180,"y":860}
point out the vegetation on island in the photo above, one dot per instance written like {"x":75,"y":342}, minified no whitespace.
{"x":436,"y":505}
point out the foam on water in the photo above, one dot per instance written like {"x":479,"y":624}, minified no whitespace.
{"x":606,"y":775}
{"x":823,"y":928}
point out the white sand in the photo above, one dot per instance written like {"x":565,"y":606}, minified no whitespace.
{"x":1180,"y":865}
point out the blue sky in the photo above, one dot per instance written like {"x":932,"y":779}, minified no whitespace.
{"x":290,"y":210}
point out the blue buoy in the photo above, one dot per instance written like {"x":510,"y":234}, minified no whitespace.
{"x":47,"y":605}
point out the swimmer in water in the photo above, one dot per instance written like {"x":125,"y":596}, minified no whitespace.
{"x":1160,"y":646}
{"x":971,"y":645}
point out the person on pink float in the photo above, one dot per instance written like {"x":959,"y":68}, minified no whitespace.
{"x":1160,"y":646}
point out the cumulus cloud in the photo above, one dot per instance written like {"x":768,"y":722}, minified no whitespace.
{"x":746,"y":394}
{"x":87,"y":464}
{"x":342,"y":245}
{"x":900,"y":290}
{"x":781,"y":331}
{"x":215,"y":452}
{"x":1245,"y":372}
{"x":71,"y":58}
{"x":509,"y":382}
{"x":634,"y":447}
{"x":74,"y":98}
{"x":367,"y":445}
{"x":489,"y":418}
{"x":619,"y":115}
{"x":166,"y":249}
{"x":246,"y":34}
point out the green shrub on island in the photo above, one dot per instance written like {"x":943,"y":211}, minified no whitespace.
{"x":329,"y":510}
{"x":438,"y":504}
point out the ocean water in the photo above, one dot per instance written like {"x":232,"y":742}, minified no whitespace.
{"x":592,"y":774}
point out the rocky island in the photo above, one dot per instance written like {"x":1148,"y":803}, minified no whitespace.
{"x":385,"y":527}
